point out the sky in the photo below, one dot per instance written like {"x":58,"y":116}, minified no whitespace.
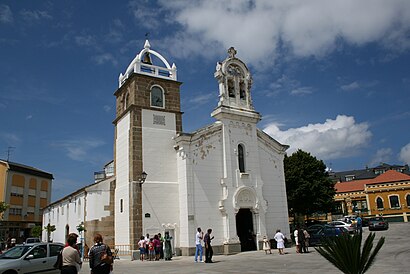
{"x":329,"y":77}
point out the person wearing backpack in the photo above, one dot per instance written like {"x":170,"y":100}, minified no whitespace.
{"x":100,"y":257}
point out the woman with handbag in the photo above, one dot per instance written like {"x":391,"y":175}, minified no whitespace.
{"x":100,"y":257}
{"x":71,"y":261}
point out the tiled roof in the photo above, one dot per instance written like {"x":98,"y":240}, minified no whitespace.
{"x":355,"y":185}
{"x":389,"y":176}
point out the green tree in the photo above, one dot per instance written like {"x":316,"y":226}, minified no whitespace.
{"x":3,"y":207}
{"x":36,"y":231}
{"x":50,"y":229}
{"x":308,"y":186}
{"x":345,"y":252}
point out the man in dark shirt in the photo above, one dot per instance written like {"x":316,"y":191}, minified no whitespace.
{"x":208,"y":248}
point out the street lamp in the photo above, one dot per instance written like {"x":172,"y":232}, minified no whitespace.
{"x":143,"y":177}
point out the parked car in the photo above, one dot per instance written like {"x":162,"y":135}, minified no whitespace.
{"x":31,"y":258}
{"x":376,"y":223}
{"x":32,"y":241}
{"x":326,"y":232}
{"x":314,"y":228}
{"x":350,"y":226}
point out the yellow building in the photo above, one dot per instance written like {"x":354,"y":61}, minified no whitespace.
{"x":27,"y":191}
{"x":387,"y":194}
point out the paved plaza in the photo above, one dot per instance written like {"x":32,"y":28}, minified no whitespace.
{"x":392,"y":258}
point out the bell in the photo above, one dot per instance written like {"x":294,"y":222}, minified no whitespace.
{"x":147,"y":59}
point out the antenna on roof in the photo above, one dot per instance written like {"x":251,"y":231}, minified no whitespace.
{"x":9,"y":150}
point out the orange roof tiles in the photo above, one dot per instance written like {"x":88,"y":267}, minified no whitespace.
{"x":355,"y":185}
{"x":390,"y":176}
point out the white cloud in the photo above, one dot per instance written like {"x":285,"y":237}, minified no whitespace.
{"x":383,"y":155}
{"x":79,"y":150}
{"x":29,"y":117}
{"x":352,"y":86}
{"x":35,"y":15}
{"x":339,"y":138}
{"x":261,"y":29}
{"x":10,"y":138}
{"x":405,"y":154}
{"x":107,"y":108}
{"x":202,"y":99}
{"x":6,"y":15}
{"x":104,"y":58}
{"x":288,"y":85}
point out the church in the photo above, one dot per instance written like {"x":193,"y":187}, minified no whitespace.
{"x":228,"y":176}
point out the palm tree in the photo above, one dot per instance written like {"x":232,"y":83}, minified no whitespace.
{"x":346,"y":254}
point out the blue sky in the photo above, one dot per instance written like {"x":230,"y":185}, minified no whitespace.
{"x":329,"y":77}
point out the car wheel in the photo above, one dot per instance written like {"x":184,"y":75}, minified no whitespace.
{"x":10,"y":272}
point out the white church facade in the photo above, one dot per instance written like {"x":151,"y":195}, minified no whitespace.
{"x":227,"y":176}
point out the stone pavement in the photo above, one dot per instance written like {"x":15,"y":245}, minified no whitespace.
{"x":393,"y":258}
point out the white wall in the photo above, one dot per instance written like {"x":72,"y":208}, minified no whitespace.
{"x":122,"y":142}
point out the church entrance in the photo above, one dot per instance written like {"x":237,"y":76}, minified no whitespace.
{"x":244,"y":229}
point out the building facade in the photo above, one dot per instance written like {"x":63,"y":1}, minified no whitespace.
{"x":383,"y":190}
{"x":27,"y":190}
{"x":227,"y":176}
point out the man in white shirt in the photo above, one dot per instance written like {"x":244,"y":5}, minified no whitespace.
{"x":198,"y":242}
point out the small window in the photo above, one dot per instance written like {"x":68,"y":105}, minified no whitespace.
{"x":408,"y":199}
{"x":157,"y":97}
{"x":121,"y":205}
{"x":241,"y":158}
{"x":379,"y":202}
{"x":39,"y":252}
{"x":394,"y":201}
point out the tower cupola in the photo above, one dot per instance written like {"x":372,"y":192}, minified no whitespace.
{"x":143,"y":64}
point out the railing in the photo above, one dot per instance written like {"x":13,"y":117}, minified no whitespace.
{"x":122,"y":250}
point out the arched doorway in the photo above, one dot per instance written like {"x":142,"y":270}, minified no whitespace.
{"x":244,"y":229}
{"x":67,"y":231}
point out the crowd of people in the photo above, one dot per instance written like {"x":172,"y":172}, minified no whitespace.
{"x":155,"y":248}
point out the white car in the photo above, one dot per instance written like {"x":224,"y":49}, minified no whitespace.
{"x":31,"y":258}
{"x":350,"y":226}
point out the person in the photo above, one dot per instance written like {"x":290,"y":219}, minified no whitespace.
{"x":168,"y":247}
{"x":266,"y":245}
{"x":147,"y":240}
{"x":280,"y":241}
{"x":301,"y":240}
{"x":161,"y":241}
{"x":71,"y":261}
{"x":141,"y":245}
{"x":307,"y":237}
{"x":75,"y":236}
{"x":100,"y":257}
{"x":157,"y":247}
{"x":198,"y":243}
{"x":359,"y":225}
{"x":151,"y":249}
{"x":295,"y":235}
{"x":208,"y":247}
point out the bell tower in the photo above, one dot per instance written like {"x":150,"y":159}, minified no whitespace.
{"x":148,"y":115}
{"x":235,"y":84}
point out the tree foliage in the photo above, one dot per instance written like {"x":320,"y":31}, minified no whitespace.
{"x":49,"y":228}
{"x":309,"y":188}
{"x":345,"y":252}
{"x":3,"y":207}
{"x":36,"y":231}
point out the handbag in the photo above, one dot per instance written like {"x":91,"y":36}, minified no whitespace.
{"x":59,"y":263}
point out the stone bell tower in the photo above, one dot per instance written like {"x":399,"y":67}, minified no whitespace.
{"x":147,"y":116}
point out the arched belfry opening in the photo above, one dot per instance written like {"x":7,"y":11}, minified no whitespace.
{"x":245,"y":229}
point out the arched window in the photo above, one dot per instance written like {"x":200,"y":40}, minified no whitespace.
{"x":241,"y":158}
{"x":379,"y":202}
{"x":157,"y":97}
{"x":408,"y":199}
{"x":394,"y":201}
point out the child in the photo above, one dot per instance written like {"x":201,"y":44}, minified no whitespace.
{"x":141,"y":245}
{"x":266,"y":245}
{"x":151,"y":249}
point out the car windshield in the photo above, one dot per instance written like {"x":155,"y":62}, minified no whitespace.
{"x":377,"y":219}
{"x":15,"y":252}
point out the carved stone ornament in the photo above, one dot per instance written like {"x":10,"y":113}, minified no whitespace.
{"x":232,"y":52}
